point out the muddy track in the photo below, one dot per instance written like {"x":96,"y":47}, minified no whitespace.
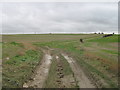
{"x":60,"y":73}
{"x":82,"y":79}
{"x":63,"y":80}
{"x":41,"y":72}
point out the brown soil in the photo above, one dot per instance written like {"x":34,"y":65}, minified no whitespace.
{"x":82,"y":79}
{"x":64,"y":81}
{"x":28,"y":46}
{"x":41,"y":72}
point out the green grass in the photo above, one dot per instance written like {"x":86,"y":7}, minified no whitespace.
{"x":68,"y":43}
{"x":70,"y":46}
{"x":10,"y":49}
{"x":19,"y":67}
{"x":110,"y":39}
{"x":17,"y":44}
{"x":110,"y":51}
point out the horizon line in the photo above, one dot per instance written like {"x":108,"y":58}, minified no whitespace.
{"x":62,"y":33}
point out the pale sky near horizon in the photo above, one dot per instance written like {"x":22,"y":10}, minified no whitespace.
{"x":59,"y":17}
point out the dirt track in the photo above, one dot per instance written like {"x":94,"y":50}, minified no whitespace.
{"x":41,"y":73}
{"x":83,"y":81}
{"x":43,"y":69}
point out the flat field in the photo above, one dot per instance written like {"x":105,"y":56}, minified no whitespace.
{"x":60,"y":61}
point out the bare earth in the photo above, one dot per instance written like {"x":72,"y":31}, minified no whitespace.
{"x":43,"y":69}
{"x":41,"y":72}
{"x":65,"y":81}
{"x":83,"y":81}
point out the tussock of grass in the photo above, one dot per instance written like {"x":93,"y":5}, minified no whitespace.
{"x":11,"y":49}
{"x":17,"y":44}
{"x":19,"y":68}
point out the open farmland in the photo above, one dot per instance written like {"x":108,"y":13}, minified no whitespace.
{"x":60,"y":61}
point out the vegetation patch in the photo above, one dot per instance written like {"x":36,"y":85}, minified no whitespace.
{"x":111,"y":51}
{"x":18,"y":69}
{"x":17,"y":44}
{"x":10,"y":50}
{"x":77,"y":50}
{"x":18,"y":65}
{"x":111,"y":39}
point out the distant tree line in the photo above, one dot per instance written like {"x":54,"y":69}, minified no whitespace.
{"x":106,"y":35}
{"x":101,"y":33}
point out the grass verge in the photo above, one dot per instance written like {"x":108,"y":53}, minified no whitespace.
{"x":19,"y":67}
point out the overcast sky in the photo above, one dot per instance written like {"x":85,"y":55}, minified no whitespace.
{"x":59,"y":17}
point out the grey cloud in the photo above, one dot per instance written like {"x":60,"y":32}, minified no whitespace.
{"x":59,"y":17}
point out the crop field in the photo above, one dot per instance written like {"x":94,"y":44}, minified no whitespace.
{"x":60,"y":61}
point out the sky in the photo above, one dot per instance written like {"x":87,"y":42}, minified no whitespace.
{"x":59,"y":17}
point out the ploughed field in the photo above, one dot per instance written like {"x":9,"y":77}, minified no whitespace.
{"x":60,"y":61}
